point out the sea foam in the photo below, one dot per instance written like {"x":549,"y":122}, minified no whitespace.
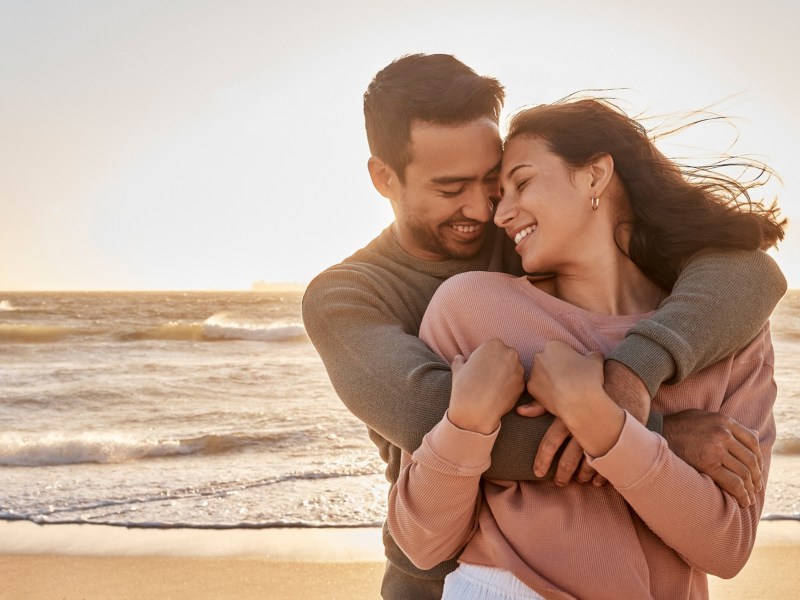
{"x":65,"y":449}
{"x":223,"y":327}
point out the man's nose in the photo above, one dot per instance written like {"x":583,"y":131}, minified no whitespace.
{"x":479,"y":205}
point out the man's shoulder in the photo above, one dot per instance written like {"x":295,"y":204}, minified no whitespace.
{"x":364,"y":265}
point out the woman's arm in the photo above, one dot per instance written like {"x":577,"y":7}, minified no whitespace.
{"x":389,"y":378}
{"x":686,"y":509}
{"x":433,"y":507}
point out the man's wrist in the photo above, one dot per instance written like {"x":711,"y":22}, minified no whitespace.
{"x":626,"y":389}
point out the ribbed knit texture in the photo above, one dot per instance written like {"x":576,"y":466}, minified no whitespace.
{"x":653,"y":532}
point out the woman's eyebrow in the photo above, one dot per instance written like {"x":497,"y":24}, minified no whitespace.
{"x":515,"y":169}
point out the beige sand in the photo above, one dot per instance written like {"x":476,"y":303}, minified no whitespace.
{"x":104,"y":563}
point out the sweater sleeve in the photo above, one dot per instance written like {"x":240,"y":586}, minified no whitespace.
{"x":720,"y":301}
{"x":389,"y":378}
{"x":687,"y":510}
{"x":434,"y":505}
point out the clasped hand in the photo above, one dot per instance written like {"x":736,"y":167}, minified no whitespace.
{"x":490,"y":383}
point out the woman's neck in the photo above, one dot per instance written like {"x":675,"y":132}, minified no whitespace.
{"x":612,"y":287}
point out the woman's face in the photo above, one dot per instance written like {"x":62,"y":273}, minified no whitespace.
{"x":545,"y":207}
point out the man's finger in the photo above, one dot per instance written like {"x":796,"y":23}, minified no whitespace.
{"x":551,"y":441}
{"x":742,"y":473}
{"x":531,"y":409}
{"x":731,"y":483}
{"x":585,"y":472}
{"x":569,"y":462}
{"x":749,"y":439}
{"x":742,"y":453}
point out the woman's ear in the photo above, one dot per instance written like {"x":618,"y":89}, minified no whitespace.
{"x":601,"y":169}
{"x":383,"y":177}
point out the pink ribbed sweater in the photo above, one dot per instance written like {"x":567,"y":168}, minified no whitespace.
{"x":654,"y":531}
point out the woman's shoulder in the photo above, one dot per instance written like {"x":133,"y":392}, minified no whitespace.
{"x":477,"y":282}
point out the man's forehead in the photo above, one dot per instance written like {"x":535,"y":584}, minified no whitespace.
{"x":456,"y":151}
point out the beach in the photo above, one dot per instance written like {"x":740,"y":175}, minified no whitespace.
{"x":94,"y":562}
{"x":190,"y":446}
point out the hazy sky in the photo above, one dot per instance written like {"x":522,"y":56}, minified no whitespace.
{"x":209,"y":144}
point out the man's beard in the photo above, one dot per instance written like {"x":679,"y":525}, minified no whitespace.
{"x":436,"y":244}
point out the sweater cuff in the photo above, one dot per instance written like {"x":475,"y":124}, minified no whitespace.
{"x":647,"y":358}
{"x":631,"y":458}
{"x":449,"y":449}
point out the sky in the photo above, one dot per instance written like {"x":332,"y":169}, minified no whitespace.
{"x":209,"y":144}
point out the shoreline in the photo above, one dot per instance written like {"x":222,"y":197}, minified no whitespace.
{"x":97,"y":562}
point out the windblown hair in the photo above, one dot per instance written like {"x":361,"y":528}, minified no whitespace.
{"x":674,"y":210}
{"x":434,"y":88}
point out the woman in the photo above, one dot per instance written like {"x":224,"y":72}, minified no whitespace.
{"x":587,"y":197}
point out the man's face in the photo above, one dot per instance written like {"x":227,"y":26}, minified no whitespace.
{"x":443,"y":209}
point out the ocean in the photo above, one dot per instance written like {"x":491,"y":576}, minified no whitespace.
{"x":213,"y":410}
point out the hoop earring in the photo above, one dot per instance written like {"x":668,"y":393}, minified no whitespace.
{"x":595,"y":201}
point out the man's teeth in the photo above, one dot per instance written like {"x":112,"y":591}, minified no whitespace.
{"x":466,"y":228}
{"x":524,"y":233}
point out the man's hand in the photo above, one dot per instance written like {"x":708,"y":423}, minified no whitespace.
{"x":625,"y":388}
{"x":572,"y":460}
{"x":718,"y":446}
{"x":485,"y":387}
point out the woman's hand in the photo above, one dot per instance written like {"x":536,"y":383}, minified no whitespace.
{"x":485,"y":387}
{"x":570,"y":385}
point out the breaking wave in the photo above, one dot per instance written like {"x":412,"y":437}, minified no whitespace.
{"x":68,"y":449}
{"x":41,"y":334}
{"x":221,"y":328}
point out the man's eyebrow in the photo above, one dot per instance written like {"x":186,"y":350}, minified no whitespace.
{"x":451,"y":179}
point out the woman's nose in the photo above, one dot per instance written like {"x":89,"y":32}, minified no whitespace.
{"x":504,"y":212}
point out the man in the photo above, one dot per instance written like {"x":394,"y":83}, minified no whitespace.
{"x":432,"y":126}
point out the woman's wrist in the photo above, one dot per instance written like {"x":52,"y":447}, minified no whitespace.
{"x":596,"y":423}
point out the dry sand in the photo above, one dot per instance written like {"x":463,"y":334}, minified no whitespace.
{"x":88,"y":562}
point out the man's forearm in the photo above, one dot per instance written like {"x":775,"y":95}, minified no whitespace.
{"x":626,"y":389}
{"x":720,"y":301}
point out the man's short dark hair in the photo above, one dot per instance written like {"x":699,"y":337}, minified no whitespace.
{"x":434,"y":88}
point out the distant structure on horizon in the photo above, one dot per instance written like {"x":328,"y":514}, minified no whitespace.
{"x":285,"y":286}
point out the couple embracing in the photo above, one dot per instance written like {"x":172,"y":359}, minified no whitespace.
{"x":560,"y":347}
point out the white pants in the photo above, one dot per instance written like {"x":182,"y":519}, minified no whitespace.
{"x":474,"y":582}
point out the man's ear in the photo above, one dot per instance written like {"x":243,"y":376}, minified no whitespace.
{"x":601,"y":169}
{"x":383,"y":177}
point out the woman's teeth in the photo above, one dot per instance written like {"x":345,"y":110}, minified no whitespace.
{"x":524,"y":233}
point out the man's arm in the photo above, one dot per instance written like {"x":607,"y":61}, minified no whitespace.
{"x":389,"y":378}
{"x":720,"y":301}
